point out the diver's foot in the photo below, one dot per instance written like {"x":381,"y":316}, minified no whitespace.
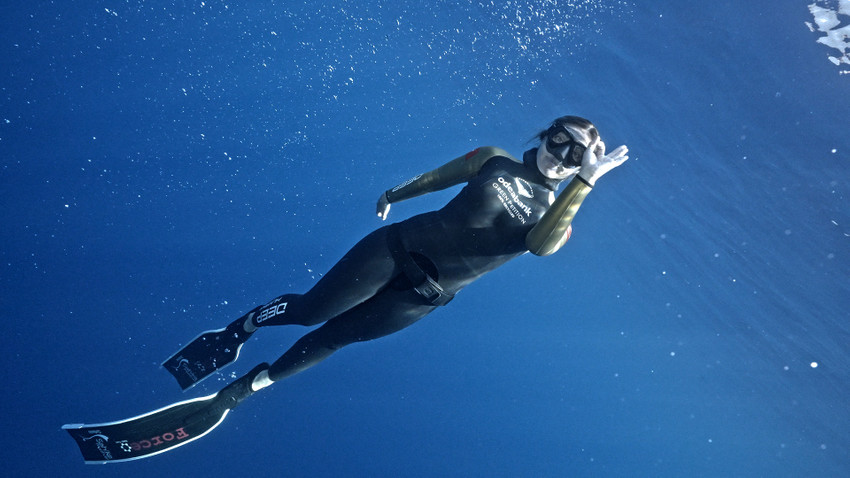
{"x":242,"y":328}
{"x":240,"y":389}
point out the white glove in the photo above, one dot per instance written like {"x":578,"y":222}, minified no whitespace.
{"x":383,"y":206}
{"x":595,"y":162}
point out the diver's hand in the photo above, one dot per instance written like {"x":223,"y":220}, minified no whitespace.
{"x":383,"y":206}
{"x":596,"y":163}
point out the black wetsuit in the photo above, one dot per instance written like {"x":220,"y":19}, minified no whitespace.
{"x":366,"y":295}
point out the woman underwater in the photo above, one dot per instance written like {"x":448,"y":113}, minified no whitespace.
{"x":390,"y":279}
{"x":402,"y":272}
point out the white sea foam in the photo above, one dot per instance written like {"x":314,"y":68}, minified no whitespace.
{"x":828,"y":21}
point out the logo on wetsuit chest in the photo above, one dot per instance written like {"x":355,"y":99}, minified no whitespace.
{"x":509,"y":196}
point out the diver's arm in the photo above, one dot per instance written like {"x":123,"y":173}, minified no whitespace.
{"x":552,"y":231}
{"x":454,"y":172}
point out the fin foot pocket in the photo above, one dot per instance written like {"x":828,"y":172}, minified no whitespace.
{"x":240,"y":389}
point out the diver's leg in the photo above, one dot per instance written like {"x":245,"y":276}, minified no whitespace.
{"x":364,"y":270}
{"x":361,"y":273}
{"x":389,"y":311}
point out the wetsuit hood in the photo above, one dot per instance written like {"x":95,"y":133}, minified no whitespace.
{"x":529,"y":159}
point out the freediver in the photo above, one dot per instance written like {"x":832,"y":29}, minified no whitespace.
{"x":402,"y":272}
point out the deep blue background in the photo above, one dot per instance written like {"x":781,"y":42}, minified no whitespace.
{"x":168,"y":166}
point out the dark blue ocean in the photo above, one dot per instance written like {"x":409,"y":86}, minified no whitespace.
{"x":167,"y":166}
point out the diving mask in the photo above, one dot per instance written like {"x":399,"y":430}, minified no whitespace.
{"x":563,"y":146}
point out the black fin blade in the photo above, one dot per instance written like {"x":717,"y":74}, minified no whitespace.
{"x":149,"y":434}
{"x":209,"y":352}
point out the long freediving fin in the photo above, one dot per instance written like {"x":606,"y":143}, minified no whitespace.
{"x":207,"y":353}
{"x":160,"y":430}
{"x":146,"y":435}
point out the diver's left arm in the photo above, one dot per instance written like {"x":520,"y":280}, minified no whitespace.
{"x":552,"y":231}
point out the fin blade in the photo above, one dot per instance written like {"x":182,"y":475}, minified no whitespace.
{"x":149,"y":434}
{"x":208,"y":353}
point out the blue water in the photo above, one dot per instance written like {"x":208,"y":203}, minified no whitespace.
{"x":168,"y":166}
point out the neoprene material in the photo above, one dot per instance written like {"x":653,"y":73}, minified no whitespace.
{"x":379,"y":287}
{"x":454,"y":172}
{"x":548,"y":235}
{"x":366,"y":295}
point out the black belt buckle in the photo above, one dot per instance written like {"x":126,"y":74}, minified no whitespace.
{"x":433,"y":293}
{"x":428,"y":288}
